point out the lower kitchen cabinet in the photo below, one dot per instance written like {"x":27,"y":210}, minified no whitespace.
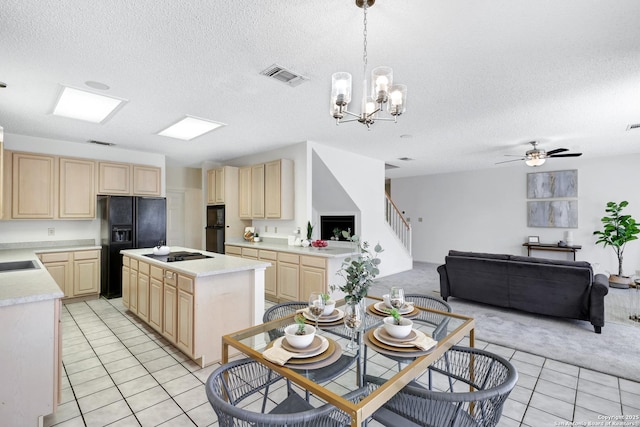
{"x":156,"y":292}
{"x":184,"y":339}
{"x":270,"y":274}
{"x":170,"y":307}
{"x":288,"y":276}
{"x":143,"y":291}
{"x":126,"y":276}
{"x":77,"y":273}
{"x":313,"y":275}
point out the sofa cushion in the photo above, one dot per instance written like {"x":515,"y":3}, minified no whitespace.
{"x":534,"y":260}
{"x":478,"y":279}
{"x":478,"y":255}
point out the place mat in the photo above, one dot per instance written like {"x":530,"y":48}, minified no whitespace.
{"x":382,"y":307}
{"x":336,"y":316}
{"x":371,"y":341}
{"x":331,"y":359}
{"x":383,"y":336}
{"x":371,"y":309}
{"x":315,"y":345}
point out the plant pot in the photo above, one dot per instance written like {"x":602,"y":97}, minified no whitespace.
{"x":398,"y":331}
{"x":299,"y":341}
{"x":621,"y":282}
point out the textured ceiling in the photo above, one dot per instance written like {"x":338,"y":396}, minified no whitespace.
{"x":484,"y":77}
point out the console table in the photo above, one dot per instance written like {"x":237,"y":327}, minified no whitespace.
{"x":551,"y":247}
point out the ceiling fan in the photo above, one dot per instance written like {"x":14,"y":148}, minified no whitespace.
{"x":537,"y":156}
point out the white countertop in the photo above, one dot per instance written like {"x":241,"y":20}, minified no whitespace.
{"x":23,"y":286}
{"x":218,"y":264}
{"x":328,"y":252}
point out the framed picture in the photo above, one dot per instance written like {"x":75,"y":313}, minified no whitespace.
{"x":534,"y":240}
{"x":553,"y":213}
{"x":550,"y":185}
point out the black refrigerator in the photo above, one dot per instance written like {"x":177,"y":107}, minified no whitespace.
{"x":127,"y":223}
{"x":215,"y":229}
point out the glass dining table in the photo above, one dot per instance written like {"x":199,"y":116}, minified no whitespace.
{"x":373,"y":346}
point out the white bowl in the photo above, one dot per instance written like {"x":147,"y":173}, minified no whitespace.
{"x":329,"y":306}
{"x":162,"y":250}
{"x":299,"y":341}
{"x":398,"y":331}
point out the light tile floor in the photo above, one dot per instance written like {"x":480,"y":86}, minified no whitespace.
{"x":119,"y":372}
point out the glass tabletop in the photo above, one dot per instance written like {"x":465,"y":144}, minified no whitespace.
{"x":336,"y":370}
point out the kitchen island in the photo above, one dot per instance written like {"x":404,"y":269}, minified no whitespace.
{"x":193,"y":303}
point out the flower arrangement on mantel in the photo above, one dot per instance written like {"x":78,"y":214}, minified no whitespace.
{"x":359,"y":271}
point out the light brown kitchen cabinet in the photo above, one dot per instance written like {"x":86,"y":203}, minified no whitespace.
{"x":233,"y":250}
{"x":77,"y":273}
{"x":143,"y":291}
{"x":170,"y":304}
{"x":222,"y":185}
{"x":313,"y":275}
{"x":77,"y":188}
{"x":185,"y":314}
{"x":133,"y":285}
{"x":288,"y":276}
{"x":33,"y":186}
{"x":257,"y":191}
{"x":156,"y":292}
{"x":244,"y":192}
{"x":146,"y":180}
{"x":126,"y":276}
{"x":278,"y":189}
{"x":114,"y":178}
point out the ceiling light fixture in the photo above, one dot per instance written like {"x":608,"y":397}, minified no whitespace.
{"x":382,"y":89}
{"x":190,"y":127}
{"x":87,"y":106}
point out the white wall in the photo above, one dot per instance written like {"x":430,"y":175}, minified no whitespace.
{"x":12,"y":231}
{"x":189,"y":182}
{"x":485,"y":210}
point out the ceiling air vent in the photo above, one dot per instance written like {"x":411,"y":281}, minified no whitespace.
{"x":283,"y":75}
{"x":108,"y":144}
{"x":405,"y":159}
{"x":631,"y":127}
{"x":390,"y":166}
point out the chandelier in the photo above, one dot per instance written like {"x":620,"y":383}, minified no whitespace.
{"x":383,"y":91}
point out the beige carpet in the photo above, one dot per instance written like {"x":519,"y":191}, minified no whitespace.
{"x":614,"y":351}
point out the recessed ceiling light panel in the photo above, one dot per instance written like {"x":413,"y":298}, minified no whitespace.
{"x":190,"y":127}
{"x":87,"y":106}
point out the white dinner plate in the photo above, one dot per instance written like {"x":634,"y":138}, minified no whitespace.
{"x":322,"y":349}
{"x":333,"y":317}
{"x":380,"y":337}
{"x":382,"y":307}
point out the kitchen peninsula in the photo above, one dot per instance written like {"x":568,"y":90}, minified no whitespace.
{"x":193,"y":302}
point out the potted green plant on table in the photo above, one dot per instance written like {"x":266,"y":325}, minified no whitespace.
{"x":359,"y":271}
{"x":396,"y":325}
{"x":618,"y":230}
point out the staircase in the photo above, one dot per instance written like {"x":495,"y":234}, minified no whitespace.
{"x":398,"y":224}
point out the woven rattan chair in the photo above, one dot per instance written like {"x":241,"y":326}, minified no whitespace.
{"x":491,"y":377}
{"x":237,"y":383}
{"x":318,"y":375}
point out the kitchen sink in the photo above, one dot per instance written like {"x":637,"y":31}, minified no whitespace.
{"x":17,"y":265}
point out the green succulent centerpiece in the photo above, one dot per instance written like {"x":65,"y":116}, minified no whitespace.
{"x":359,"y":271}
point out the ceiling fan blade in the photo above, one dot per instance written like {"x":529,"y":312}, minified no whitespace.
{"x":512,"y":155}
{"x":566,"y":155}
{"x":557,"y":150}
{"x":514,"y":160}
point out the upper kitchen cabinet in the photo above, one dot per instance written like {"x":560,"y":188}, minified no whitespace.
{"x":128,"y":179}
{"x":77,"y":188}
{"x":33,"y":186}
{"x":244,"y":192}
{"x":222,"y":186}
{"x":146,"y":180}
{"x":257,"y":191}
{"x":278,"y":189}
{"x":114,"y":178}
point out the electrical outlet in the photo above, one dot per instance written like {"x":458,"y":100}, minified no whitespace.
{"x":51,"y":231}
{"x":266,"y":228}
{"x":275,"y":230}
{"x":420,"y":219}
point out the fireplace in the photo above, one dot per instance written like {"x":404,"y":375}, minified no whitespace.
{"x":339,"y":223}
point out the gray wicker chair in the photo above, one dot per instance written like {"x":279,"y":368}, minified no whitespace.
{"x":317,"y":375}
{"x":491,"y":376}
{"x":438,"y":320}
{"x":237,"y":383}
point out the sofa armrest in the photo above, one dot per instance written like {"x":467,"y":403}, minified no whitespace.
{"x":599,"y":289}
{"x":444,"y":282}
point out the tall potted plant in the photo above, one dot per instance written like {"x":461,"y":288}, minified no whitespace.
{"x":618,"y":230}
{"x":359,"y":271}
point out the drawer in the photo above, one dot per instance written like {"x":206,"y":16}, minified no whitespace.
{"x":313,"y":261}
{"x":156,"y":272}
{"x":125,"y":261}
{"x":249,"y":253}
{"x":270,"y":255}
{"x":54,"y":257}
{"x":233,"y":250}
{"x":86,"y":254}
{"x":185,"y":283}
{"x":143,"y":268}
{"x":170,"y":277}
{"x":290,"y":258}
{"x":133,"y":264}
